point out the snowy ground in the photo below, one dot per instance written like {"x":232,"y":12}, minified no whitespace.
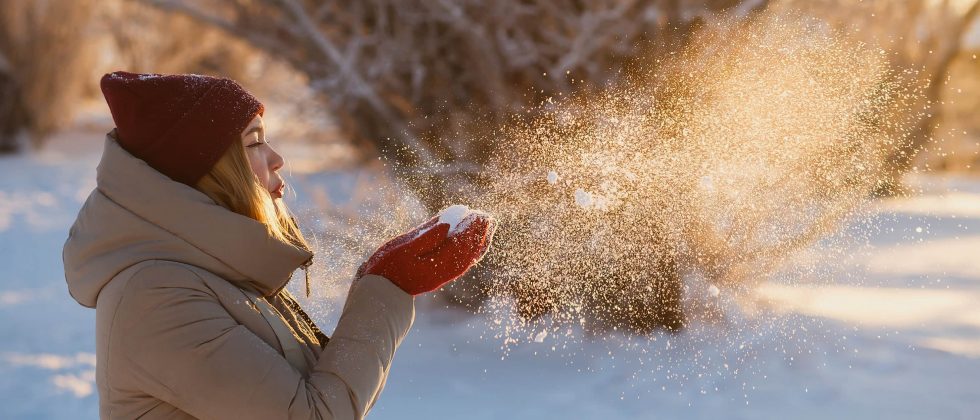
{"x":888,"y":332}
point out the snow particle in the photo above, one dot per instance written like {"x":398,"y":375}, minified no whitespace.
{"x":707,"y":183}
{"x":583,"y":198}
{"x":552,"y":177}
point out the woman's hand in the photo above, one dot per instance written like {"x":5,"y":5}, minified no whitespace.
{"x":427,"y":257}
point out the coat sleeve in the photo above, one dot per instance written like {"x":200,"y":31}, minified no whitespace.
{"x":183,"y":347}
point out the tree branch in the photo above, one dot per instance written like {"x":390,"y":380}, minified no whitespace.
{"x":263,"y":42}
{"x":361,"y":87}
{"x":5,"y":66}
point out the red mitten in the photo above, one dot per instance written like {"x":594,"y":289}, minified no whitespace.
{"x":424,"y":259}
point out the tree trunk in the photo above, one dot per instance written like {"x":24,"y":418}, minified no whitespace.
{"x":13,"y":120}
{"x":923,"y":133}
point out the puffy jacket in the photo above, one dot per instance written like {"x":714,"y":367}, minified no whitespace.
{"x":193,"y":318}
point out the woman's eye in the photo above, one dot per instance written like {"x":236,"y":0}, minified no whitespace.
{"x":254,"y":144}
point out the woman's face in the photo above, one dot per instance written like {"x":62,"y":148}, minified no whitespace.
{"x":264,"y":160}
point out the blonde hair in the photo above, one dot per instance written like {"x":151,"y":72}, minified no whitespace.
{"x":232,"y":184}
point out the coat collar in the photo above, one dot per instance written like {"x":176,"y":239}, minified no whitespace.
{"x":165,"y":219}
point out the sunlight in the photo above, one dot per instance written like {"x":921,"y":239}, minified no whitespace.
{"x":920,"y":311}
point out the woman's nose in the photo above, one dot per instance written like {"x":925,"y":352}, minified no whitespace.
{"x":275,"y":161}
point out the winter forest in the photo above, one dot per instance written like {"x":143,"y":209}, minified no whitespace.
{"x":705,"y":208}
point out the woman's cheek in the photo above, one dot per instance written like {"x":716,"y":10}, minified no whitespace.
{"x":258,"y":166}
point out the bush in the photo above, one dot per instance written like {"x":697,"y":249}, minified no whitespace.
{"x":45,"y":63}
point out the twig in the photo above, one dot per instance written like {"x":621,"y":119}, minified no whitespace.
{"x":348,"y":71}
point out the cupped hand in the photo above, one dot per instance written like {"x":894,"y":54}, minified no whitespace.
{"x":429,"y":256}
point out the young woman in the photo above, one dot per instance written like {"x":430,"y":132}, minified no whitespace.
{"x":185,"y":248}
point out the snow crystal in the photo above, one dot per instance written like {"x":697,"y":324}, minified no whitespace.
{"x":583,"y":198}
{"x":552,"y":177}
{"x":707,"y":183}
{"x":713,"y":291}
{"x":539,"y":337}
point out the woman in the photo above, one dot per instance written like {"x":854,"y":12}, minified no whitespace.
{"x":185,"y":248}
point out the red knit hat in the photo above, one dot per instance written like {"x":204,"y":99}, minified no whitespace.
{"x":178,"y":124}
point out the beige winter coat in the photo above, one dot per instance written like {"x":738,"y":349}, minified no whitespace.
{"x":193,"y":320}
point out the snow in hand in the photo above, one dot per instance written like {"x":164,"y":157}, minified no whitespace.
{"x":458,"y":217}
{"x":454,"y":215}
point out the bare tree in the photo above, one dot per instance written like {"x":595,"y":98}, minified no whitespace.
{"x":148,"y":40}
{"x":44,"y":59}
{"x":52,"y":53}
{"x":920,"y":34}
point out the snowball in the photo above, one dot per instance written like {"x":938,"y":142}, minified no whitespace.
{"x":583,"y":198}
{"x":552,"y":177}
{"x":453,"y":215}
{"x":457,"y":217}
{"x":539,"y":337}
{"x":713,"y":291}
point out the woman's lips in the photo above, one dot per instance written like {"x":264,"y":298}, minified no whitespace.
{"x":278,"y":191}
